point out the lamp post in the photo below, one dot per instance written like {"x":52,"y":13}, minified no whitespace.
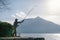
{"x":16,"y":25}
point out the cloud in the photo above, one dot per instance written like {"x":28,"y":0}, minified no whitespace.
{"x":13,"y":16}
{"x":19,"y":15}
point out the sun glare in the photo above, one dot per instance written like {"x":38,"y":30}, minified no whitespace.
{"x":53,"y":4}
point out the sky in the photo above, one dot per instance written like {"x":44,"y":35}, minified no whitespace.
{"x":46,"y":9}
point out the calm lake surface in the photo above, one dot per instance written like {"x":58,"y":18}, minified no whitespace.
{"x":47,"y":36}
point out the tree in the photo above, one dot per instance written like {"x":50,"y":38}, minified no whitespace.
{"x":6,"y":29}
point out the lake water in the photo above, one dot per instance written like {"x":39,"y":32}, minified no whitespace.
{"x":47,"y":36}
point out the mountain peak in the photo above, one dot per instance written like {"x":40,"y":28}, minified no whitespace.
{"x":37,"y":17}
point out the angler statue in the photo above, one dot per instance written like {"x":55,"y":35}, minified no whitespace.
{"x":16,"y":25}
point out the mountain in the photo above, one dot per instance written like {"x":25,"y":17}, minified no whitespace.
{"x":38,"y":25}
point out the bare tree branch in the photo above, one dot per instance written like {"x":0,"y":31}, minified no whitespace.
{"x":3,"y":4}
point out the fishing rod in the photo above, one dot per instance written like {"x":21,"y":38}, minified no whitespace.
{"x":29,"y":12}
{"x":16,"y":21}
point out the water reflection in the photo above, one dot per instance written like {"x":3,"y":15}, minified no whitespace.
{"x":51,"y":36}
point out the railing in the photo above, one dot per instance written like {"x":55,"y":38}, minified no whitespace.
{"x":19,"y":38}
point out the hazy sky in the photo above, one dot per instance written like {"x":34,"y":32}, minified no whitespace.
{"x":47,"y":9}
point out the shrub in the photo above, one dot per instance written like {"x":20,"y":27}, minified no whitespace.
{"x":6,"y":29}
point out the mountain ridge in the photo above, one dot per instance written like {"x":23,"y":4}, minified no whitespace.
{"x":38,"y":25}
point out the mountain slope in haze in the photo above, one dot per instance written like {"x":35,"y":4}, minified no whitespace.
{"x":38,"y":25}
